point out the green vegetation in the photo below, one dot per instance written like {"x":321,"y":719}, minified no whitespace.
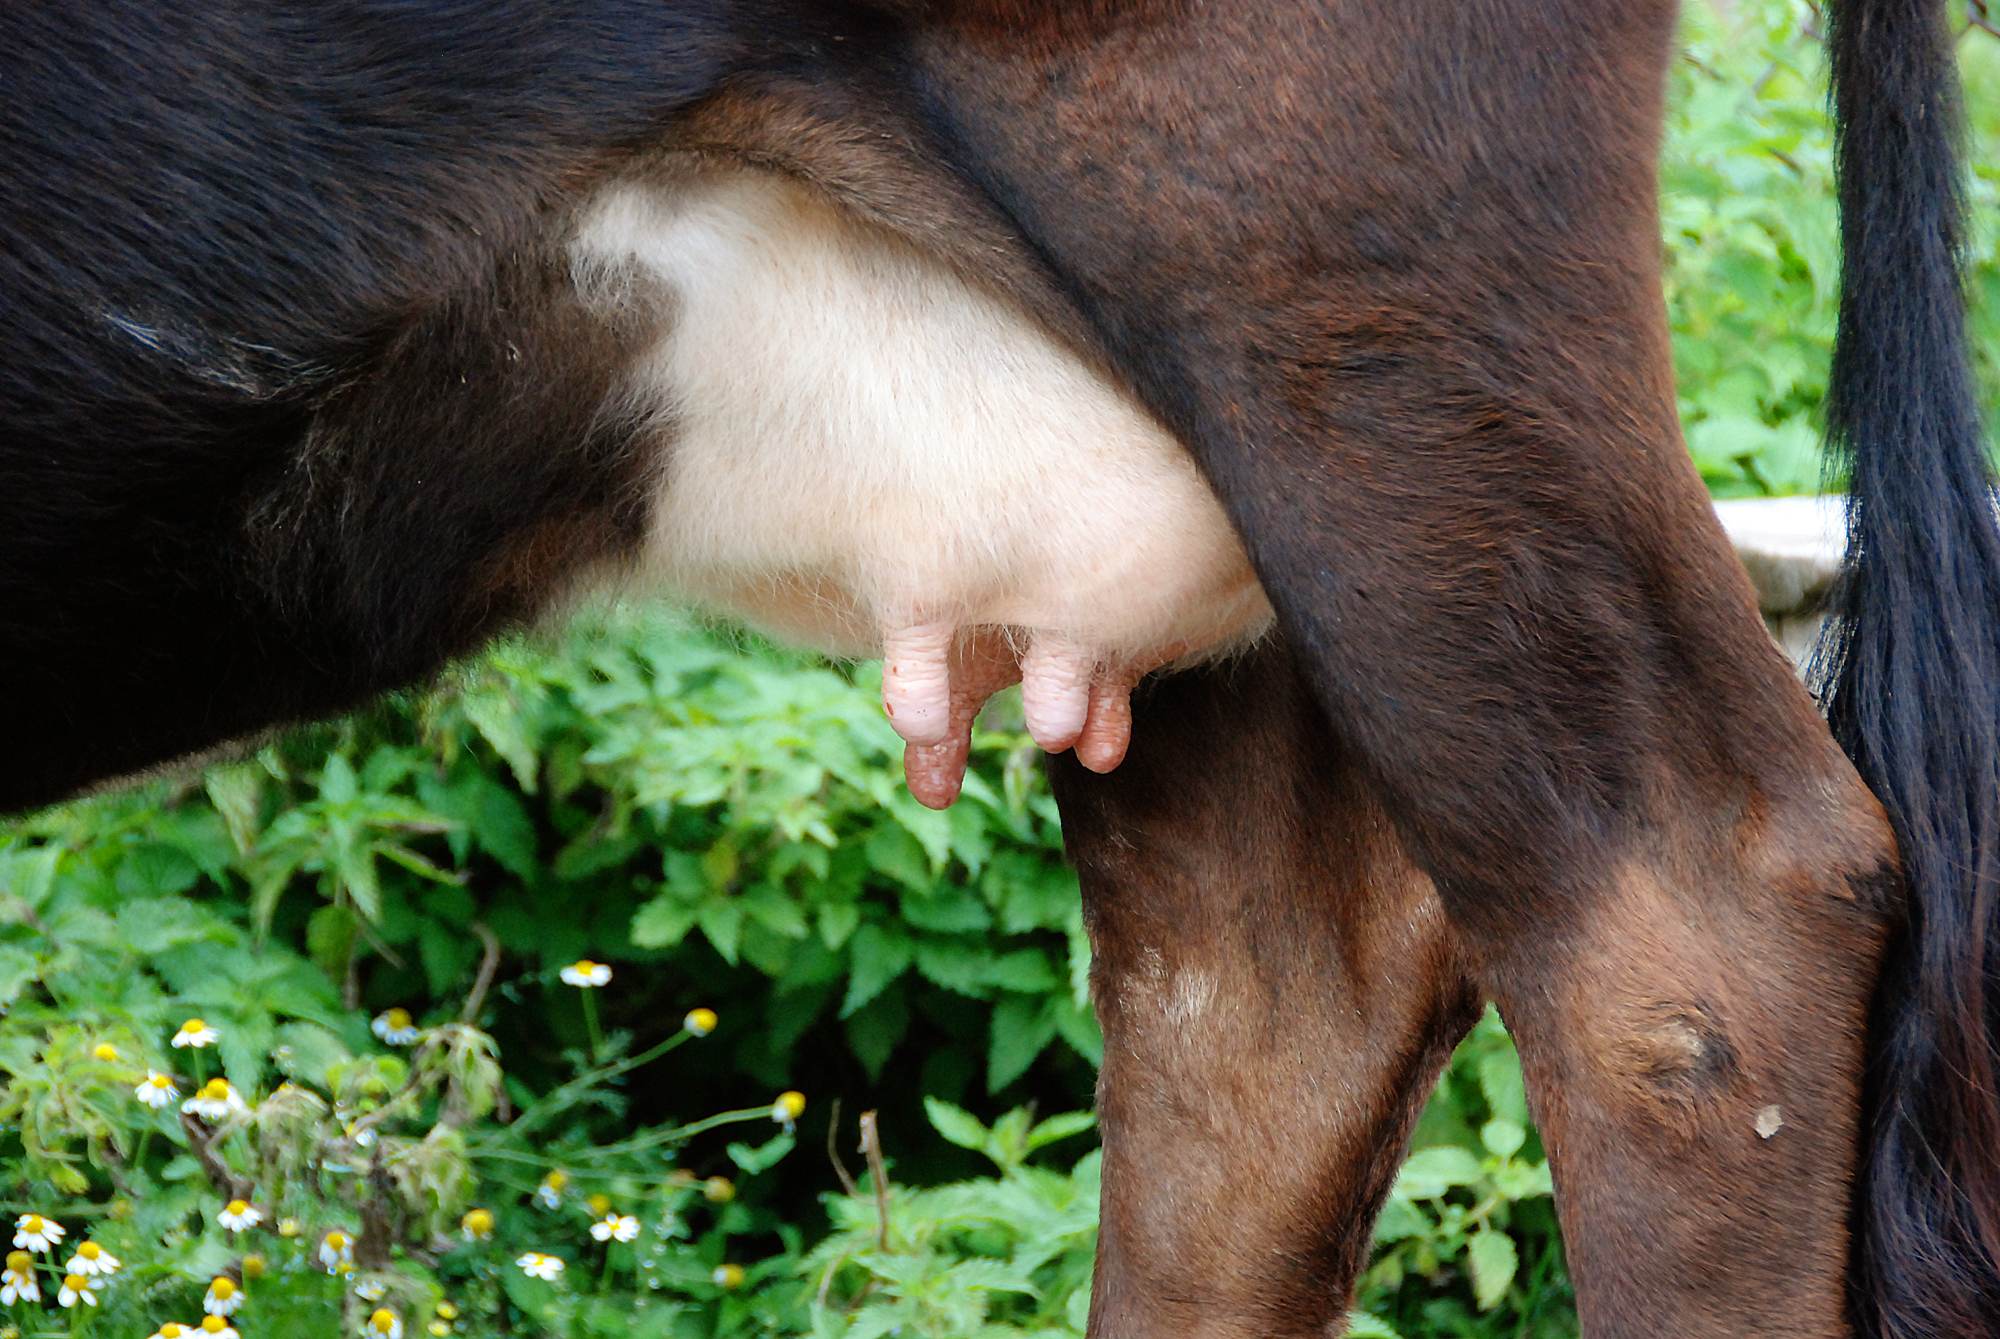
{"x":1752,"y":253}
{"x":594,"y":954}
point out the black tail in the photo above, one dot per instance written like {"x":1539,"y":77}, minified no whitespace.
{"x":1911,"y":675}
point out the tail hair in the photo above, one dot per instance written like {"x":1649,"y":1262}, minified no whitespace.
{"x":1909,"y":673}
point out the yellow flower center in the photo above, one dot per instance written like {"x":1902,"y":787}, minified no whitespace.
{"x":337,"y":1240}
{"x":397,"y":1019}
{"x":20,"y":1262}
{"x":237,"y":1207}
{"x":73,"y":1282}
{"x":215,"y":1325}
{"x":193,"y":1025}
{"x":90,"y":1250}
{"x":555,"y":1180}
{"x":792,"y":1104}
{"x":383,"y":1320}
{"x":479,"y":1222}
{"x":104,"y":1050}
{"x":701,"y":1022}
{"x":253,"y":1266}
{"x":217,"y":1090}
{"x":32,"y":1225}
{"x":222,"y":1290}
{"x":447,"y":1310}
{"x":600,"y":1204}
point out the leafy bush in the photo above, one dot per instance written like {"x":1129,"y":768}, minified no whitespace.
{"x":218,"y":1132}
{"x":977,"y":1259}
{"x":1752,"y":240}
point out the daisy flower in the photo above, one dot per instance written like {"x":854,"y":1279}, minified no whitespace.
{"x":76,"y":1288}
{"x":385,"y":1323}
{"x":586,"y":973}
{"x":440,"y":1328}
{"x":699,"y":1022}
{"x":550,"y":1192}
{"x":238,"y":1215}
{"x":395,"y":1027}
{"x":787,"y":1108}
{"x":173,"y":1329}
{"x":17,"y":1280}
{"x":214,"y":1100}
{"x":35,"y":1233}
{"x":336,"y":1249}
{"x":728,"y":1276}
{"x":615,"y":1227}
{"x":371,"y":1290}
{"x":223,"y":1297}
{"x":196,"y":1033}
{"x":477,"y":1225}
{"x":215,"y":1327}
{"x":90,"y":1258}
{"x":539,"y":1266}
{"x":252,"y":1267}
{"x":157,"y":1091}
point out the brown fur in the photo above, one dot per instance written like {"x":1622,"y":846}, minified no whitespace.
{"x":1278,"y":987}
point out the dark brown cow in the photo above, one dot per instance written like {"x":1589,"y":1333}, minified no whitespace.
{"x":339,"y":335}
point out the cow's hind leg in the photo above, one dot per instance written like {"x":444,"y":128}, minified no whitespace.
{"x":1278,"y":988}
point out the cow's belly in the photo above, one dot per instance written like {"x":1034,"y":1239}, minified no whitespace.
{"x":865,"y":453}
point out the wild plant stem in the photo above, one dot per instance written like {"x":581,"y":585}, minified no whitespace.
{"x":590,"y":1021}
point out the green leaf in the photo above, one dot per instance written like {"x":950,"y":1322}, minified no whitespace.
{"x":1023,"y":1026}
{"x":1361,"y":1325}
{"x":721,"y":919}
{"x":330,"y":935}
{"x":1502,"y":1138}
{"x":837,"y":922}
{"x":1060,"y":1127}
{"x":337,"y":782}
{"x":957,"y":964}
{"x":1430,"y":1172}
{"x":877,"y":955}
{"x":158,"y":924}
{"x":1494,"y":1261}
{"x":1400,"y":1219}
{"x":763,"y":1157}
{"x":1500,"y":1083}
{"x":948,"y":911}
{"x":874,"y":1031}
{"x":770,"y":907}
{"x":958,"y":1125}
{"x":664,"y":921}
{"x":152,"y":869}
{"x":17,"y":968}
{"x":894,"y":851}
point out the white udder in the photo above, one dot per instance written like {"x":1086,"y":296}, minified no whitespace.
{"x":866,"y":454}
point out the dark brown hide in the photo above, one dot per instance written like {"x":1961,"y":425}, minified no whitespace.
{"x":1393,"y":275}
{"x":1278,"y":987}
